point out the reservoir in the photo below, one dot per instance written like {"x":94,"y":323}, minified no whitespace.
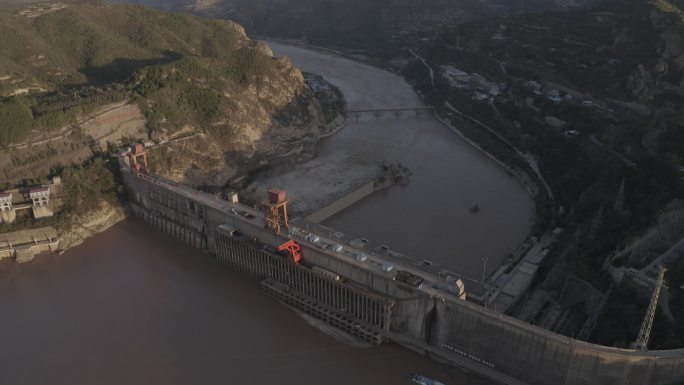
{"x":430,"y":218}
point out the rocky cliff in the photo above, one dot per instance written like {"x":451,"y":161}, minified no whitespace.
{"x":79,"y":73}
{"x":267,"y":116}
{"x":92,"y":223}
{"x":215,"y":100}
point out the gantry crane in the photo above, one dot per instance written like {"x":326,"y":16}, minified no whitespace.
{"x":137,"y":158}
{"x":276,"y":210}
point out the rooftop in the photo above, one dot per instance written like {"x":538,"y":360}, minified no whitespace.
{"x":39,"y":189}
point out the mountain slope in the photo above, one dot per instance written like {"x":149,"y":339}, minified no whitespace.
{"x":375,"y":25}
{"x":187,"y":74}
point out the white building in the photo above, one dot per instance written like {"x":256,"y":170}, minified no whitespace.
{"x":5,"y":201}
{"x":40,"y":196}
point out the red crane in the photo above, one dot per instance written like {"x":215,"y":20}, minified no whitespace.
{"x":294,"y":248}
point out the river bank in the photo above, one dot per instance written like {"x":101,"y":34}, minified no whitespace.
{"x":91,"y":224}
{"x":24,"y":245}
{"x":525,"y":179}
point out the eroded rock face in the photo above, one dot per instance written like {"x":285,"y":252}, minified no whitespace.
{"x":90,"y":224}
{"x":268,"y":117}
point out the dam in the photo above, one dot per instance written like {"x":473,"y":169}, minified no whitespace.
{"x":378,"y":294}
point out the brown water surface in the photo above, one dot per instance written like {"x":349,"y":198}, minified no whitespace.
{"x":430,"y":218}
{"x":135,"y":306}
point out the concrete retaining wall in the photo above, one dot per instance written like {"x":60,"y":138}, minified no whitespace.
{"x":537,"y":356}
{"x":342,"y":203}
{"x":24,"y":245}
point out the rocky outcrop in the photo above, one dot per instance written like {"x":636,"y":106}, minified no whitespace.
{"x":90,"y":224}
{"x":267,"y":117}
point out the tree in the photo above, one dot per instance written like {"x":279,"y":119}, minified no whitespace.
{"x":16,"y":120}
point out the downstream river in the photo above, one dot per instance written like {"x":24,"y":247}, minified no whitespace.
{"x":135,"y":306}
{"x":429,"y":218}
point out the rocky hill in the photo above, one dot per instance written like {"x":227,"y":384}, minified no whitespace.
{"x":60,"y":62}
{"x":378,"y":26}
{"x":625,"y":49}
{"x":78,"y":78}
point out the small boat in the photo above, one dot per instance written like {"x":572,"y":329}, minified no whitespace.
{"x":475,"y":209}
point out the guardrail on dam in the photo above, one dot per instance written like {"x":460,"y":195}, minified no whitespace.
{"x":360,"y":296}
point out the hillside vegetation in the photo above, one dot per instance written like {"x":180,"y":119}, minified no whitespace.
{"x":187,"y":74}
{"x":78,"y":78}
{"x":95,"y":43}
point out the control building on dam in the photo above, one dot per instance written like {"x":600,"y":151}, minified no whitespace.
{"x":376,"y":294}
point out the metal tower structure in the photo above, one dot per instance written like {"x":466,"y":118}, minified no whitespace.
{"x":137,"y":157}
{"x":645,"y":333}
{"x":276,"y":210}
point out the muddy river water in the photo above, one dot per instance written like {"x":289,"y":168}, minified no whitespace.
{"x":430,"y":217}
{"x":135,"y":306}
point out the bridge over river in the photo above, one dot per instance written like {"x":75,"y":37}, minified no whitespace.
{"x":352,"y":285}
{"x":380,"y":112}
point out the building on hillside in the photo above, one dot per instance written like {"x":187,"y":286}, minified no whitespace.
{"x":457,"y":78}
{"x":481,"y":87}
{"x":481,"y":83}
{"x":7,"y":213}
{"x":39,"y":199}
{"x":40,"y":196}
{"x":5,"y":201}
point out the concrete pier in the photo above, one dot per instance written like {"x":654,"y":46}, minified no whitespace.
{"x":342,"y":203}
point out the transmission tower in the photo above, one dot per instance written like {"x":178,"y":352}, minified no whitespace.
{"x":632,"y":255}
{"x":645,"y":332}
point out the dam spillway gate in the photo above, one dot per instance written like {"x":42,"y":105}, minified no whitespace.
{"x":358,"y":313}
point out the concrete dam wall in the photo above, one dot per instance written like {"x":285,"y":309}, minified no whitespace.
{"x":372,"y":300}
